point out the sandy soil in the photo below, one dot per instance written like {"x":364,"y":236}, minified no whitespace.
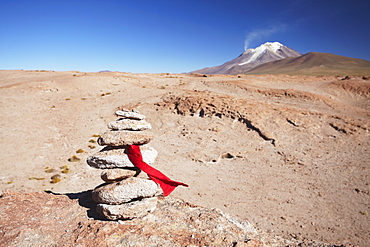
{"x":290,"y":154}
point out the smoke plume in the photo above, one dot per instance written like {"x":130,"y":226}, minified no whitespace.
{"x":261,"y":34}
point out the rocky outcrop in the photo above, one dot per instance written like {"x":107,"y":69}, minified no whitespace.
{"x":46,"y":219}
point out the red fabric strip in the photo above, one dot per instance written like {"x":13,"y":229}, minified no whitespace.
{"x":167,"y":185}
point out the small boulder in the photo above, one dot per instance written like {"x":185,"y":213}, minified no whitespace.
{"x":129,"y":210}
{"x":125,"y":191}
{"x":115,"y":175}
{"x":125,"y":137}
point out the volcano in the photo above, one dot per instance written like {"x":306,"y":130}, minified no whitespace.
{"x":251,"y":58}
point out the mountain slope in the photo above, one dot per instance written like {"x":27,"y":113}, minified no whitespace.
{"x":251,"y":58}
{"x":315,"y":63}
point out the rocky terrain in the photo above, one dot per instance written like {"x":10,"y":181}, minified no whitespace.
{"x":287,"y":157}
{"x":43,"y":219}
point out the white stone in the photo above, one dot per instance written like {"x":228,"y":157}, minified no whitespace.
{"x":130,"y":114}
{"x":129,"y":210}
{"x":125,"y":191}
{"x":129,"y":124}
{"x":117,"y":158}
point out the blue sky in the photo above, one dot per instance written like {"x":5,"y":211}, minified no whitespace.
{"x":175,"y":36}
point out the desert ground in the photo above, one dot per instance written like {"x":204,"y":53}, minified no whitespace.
{"x":289,"y":154}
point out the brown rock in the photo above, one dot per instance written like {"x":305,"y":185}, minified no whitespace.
{"x":125,"y":137}
{"x":128,"y":211}
{"x":114,"y":175}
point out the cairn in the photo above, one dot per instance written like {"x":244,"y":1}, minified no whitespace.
{"x":124,"y":195}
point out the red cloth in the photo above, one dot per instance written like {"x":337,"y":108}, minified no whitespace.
{"x":167,"y":185}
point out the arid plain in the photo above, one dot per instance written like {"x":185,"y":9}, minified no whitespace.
{"x":289,"y":154}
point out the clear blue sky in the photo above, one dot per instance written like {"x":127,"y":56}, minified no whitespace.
{"x":172,"y":35}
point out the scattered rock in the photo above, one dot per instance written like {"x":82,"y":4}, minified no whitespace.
{"x":227,"y":156}
{"x":74,"y":158}
{"x":49,"y":170}
{"x":56,"y":179}
{"x":34,"y":178}
{"x":65,"y":169}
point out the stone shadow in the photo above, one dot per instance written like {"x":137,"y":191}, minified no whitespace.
{"x":85,"y":200}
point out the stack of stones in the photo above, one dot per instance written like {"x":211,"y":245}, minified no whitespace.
{"x":124,"y":195}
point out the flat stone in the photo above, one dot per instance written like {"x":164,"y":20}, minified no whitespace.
{"x":125,"y":191}
{"x":125,"y":137}
{"x":128,"y":211}
{"x":129,"y":124}
{"x":117,"y":158}
{"x":130,"y":114}
{"x":115,"y":175}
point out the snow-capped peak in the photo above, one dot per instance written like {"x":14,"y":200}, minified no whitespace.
{"x":256,"y":52}
{"x":272,"y":46}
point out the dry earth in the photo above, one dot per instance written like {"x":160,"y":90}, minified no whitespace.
{"x":289,"y":154}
